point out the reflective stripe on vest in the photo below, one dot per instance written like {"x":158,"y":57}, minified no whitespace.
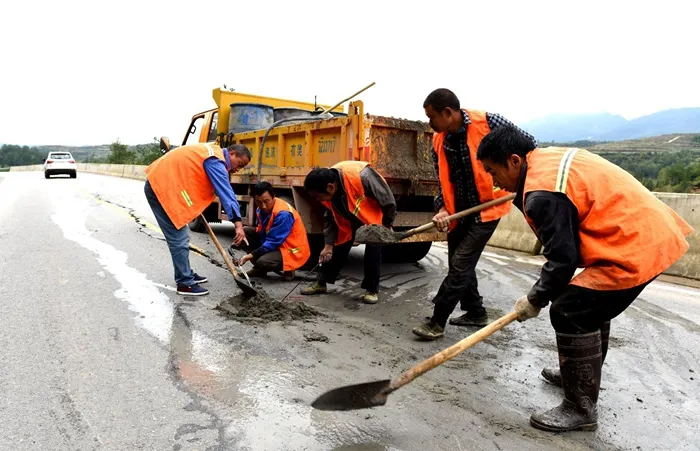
{"x":626,"y":235}
{"x":563,"y":172}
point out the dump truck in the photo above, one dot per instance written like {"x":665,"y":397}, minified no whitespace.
{"x":398,"y":149}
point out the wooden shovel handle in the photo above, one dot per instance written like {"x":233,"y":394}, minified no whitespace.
{"x":213,"y":237}
{"x":461,"y":214}
{"x":447,"y":354}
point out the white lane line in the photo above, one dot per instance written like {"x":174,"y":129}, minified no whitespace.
{"x":154,"y":309}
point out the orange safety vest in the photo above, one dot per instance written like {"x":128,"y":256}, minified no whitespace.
{"x":366,"y":209}
{"x":295,"y":250}
{"x":627,"y":235}
{"x":477,"y":129}
{"x":180,"y":182}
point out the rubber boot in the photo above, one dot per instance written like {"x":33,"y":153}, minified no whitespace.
{"x":553,"y":375}
{"x":580,"y":359}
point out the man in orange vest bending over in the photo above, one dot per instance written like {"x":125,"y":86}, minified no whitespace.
{"x":463,"y":184}
{"x":354,"y":195}
{"x":279,"y":242}
{"x":587,"y":213}
{"x":180,"y":185}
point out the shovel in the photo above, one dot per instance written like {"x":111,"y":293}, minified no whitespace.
{"x":247,"y":287}
{"x":377,"y":234}
{"x":372,"y":394}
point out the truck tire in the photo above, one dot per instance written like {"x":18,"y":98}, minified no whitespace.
{"x":405,"y":253}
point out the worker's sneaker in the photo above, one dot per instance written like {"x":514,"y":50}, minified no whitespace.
{"x":370,"y":298}
{"x":316,"y":288}
{"x":256,"y":272}
{"x":429,"y":331}
{"x":191,"y":290}
{"x":470,"y":320}
{"x":200,"y":279}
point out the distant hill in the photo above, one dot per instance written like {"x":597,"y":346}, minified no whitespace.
{"x":81,"y":153}
{"x":610,"y":127}
{"x":663,"y":143}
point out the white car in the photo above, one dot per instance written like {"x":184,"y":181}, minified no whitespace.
{"x":60,"y":163}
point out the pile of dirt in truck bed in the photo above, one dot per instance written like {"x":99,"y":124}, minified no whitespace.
{"x":375,"y":234}
{"x":262,"y":308}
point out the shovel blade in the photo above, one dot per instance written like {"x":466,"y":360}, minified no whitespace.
{"x":247,"y":289}
{"x":376,"y":234}
{"x":352,"y":397}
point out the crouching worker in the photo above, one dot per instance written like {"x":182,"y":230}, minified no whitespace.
{"x":180,"y":185}
{"x":278,"y":242}
{"x":589,"y":213}
{"x":354,"y":195}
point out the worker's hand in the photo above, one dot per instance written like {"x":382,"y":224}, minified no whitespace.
{"x":244,"y":259}
{"x":326,"y":254}
{"x":240,"y":234}
{"x":440,"y":222}
{"x":525,"y":309}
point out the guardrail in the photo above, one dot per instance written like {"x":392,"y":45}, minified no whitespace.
{"x":512,"y":232}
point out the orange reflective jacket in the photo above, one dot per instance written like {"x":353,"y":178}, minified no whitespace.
{"x":366,"y":209}
{"x":180,"y":182}
{"x":627,"y":235}
{"x":477,"y":129}
{"x":295,"y":250}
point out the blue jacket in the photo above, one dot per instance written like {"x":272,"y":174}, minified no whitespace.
{"x":280,"y":230}
{"x":217,"y":171}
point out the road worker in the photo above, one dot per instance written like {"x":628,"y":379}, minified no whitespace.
{"x":463,"y":184}
{"x":354,"y":195}
{"x":278,"y":242}
{"x":180,"y":185}
{"x":587,"y":213}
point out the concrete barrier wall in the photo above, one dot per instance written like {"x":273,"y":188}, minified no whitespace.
{"x":688,"y":206}
{"x":131,"y":171}
{"x":514,"y":233}
{"x":35,"y":167}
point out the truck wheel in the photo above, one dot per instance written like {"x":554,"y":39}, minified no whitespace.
{"x":405,"y":253}
{"x":197,"y":225}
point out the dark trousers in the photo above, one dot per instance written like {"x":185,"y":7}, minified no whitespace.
{"x":581,"y":310}
{"x":270,"y":261}
{"x":464,"y":247}
{"x":372,"y":264}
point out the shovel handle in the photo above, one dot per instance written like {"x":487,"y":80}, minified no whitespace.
{"x":213,"y":237}
{"x":460,"y":214}
{"x":449,"y":353}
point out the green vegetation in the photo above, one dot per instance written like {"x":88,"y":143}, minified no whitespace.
{"x":675,"y":172}
{"x":142,"y":154}
{"x":116,"y":153}
{"x":11,"y":155}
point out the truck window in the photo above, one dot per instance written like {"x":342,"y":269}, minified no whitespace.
{"x":211,"y":136}
{"x":192,"y":135}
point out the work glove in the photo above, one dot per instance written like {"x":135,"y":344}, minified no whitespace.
{"x":525,"y":309}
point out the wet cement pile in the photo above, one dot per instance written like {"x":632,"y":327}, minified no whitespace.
{"x":262,"y":308}
{"x":375,"y":234}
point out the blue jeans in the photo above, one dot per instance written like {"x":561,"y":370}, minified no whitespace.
{"x":178,"y":239}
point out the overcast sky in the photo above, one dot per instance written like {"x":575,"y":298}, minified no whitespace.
{"x":89,"y":72}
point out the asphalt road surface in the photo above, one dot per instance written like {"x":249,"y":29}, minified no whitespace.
{"x":99,"y":352}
